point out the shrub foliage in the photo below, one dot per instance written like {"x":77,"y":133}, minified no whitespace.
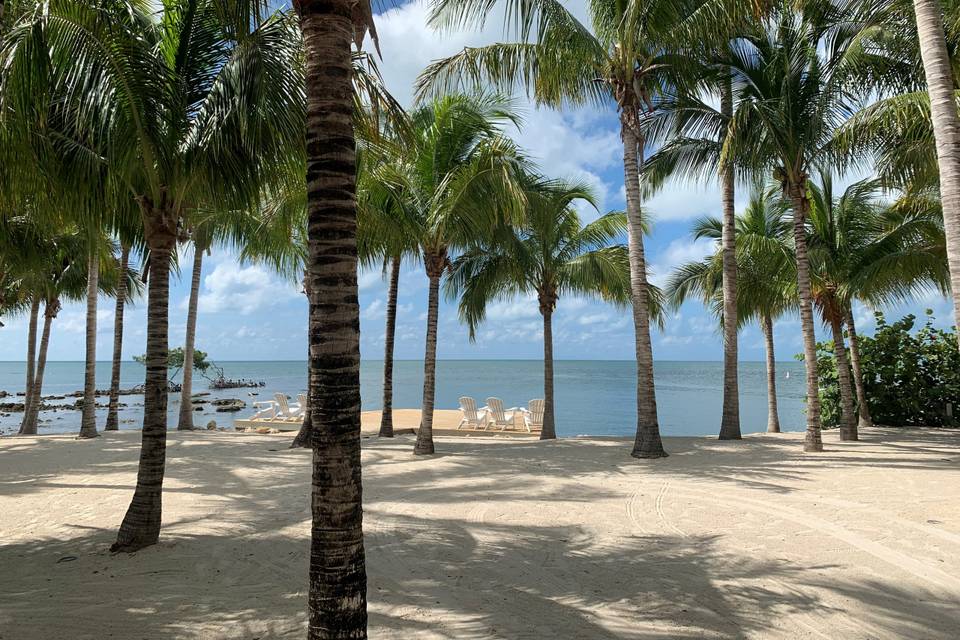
{"x":910,"y":375}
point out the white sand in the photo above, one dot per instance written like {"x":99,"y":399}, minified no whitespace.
{"x":496,"y":538}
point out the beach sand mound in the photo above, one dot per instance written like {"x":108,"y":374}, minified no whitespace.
{"x":496,"y":538}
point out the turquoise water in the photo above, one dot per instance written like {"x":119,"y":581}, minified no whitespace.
{"x":593,"y":397}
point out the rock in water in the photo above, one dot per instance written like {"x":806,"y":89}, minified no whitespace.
{"x":212,"y":425}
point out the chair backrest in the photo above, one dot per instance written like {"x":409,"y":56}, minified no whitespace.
{"x":469,"y":407}
{"x":303,"y":401}
{"x":281,"y":399}
{"x":536,"y":411}
{"x":496,"y":410}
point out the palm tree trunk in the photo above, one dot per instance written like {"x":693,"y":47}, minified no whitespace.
{"x":946,"y":129}
{"x":848,"y":419}
{"x":386,"y":417}
{"x":31,"y":409}
{"x":798,"y":195}
{"x":185,"y":422}
{"x":730,"y":417}
{"x":773,"y":415}
{"x":338,"y":579}
{"x":304,"y":436}
{"x":141,"y":524}
{"x":549,"y":431}
{"x":434,"y":267}
{"x":866,"y":420}
{"x":31,"y":358}
{"x":647,"y":443}
{"x":88,"y":418}
{"x":113,"y":421}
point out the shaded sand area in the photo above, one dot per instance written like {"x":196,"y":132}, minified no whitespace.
{"x":496,"y":538}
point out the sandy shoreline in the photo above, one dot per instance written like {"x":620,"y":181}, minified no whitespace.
{"x":496,"y":538}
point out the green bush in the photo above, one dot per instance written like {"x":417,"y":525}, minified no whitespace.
{"x":909,"y":376}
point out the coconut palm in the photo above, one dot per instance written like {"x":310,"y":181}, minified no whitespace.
{"x":628,"y":59}
{"x":170,"y":96}
{"x":766,"y":277}
{"x":864,"y":250}
{"x":338,"y":579}
{"x":782,"y":125}
{"x":939,"y":72}
{"x":384,"y":237}
{"x":457,"y":178}
{"x":551,"y":254}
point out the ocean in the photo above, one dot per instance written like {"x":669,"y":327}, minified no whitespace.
{"x":593,"y":397}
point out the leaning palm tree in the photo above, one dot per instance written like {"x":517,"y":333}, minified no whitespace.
{"x":159,"y":102}
{"x":458,"y":178}
{"x":766,"y":277}
{"x":939,"y":72}
{"x":628,"y":58}
{"x":550,"y":254}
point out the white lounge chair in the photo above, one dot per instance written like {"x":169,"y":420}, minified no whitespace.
{"x":533,"y":414}
{"x":473,"y":417}
{"x":285,"y":410}
{"x":302,"y":398}
{"x":266,"y":410}
{"x":500,"y":417}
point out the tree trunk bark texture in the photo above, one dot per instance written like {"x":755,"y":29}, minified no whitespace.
{"x":730,"y":417}
{"x":31,"y":360}
{"x":337,"y":597}
{"x":549,"y":430}
{"x":773,"y":414}
{"x":648,"y":443}
{"x":434,"y":265}
{"x":113,"y":419}
{"x":31,"y":408}
{"x":946,"y":129}
{"x":863,"y":409}
{"x":185,"y":423}
{"x":848,"y":418}
{"x":141,"y":524}
{"x":88,"y":417}
{"x":798,"y":195}
{"x":386,"y":417}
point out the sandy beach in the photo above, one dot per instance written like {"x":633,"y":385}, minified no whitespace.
{"x":496,"y":538}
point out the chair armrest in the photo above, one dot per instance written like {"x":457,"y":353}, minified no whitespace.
{"x":265,"y":403}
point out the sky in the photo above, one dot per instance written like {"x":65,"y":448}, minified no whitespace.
{"x":248,"y":312}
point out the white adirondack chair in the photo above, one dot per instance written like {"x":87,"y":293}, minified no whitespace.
{"x":533,"y":414}
{"x":500,"y":417}
{"x":285,"y":410}
{"x":472,"y":417}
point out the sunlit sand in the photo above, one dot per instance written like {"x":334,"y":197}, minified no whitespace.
{"x":496,"y":538}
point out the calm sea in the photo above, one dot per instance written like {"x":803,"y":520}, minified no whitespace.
{"x":593,"y":397}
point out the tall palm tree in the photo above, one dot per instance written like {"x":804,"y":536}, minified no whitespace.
{"x":155,"y":99}
{"x":766,"y":277}
{"x":791,"y":88}
{"x":628,"y":58}
{"x":550,"y":254}
{"x":939,"y":72}
{"x":338,"y":580}
{"x":458,"y":177}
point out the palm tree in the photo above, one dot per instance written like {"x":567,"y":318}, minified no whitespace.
{"x":128,"y":285}
{"x":161,"y":112}
{"x":629,"y":58}
{"x":550,"y":254}
{"x":766,"y":277}
{"x":939,"y":73}
{"x":783,"y":124}
{"x":338,"y":580}
{"x":458,"y":177}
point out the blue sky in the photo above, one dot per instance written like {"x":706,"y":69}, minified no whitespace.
{"x":248,"y":312}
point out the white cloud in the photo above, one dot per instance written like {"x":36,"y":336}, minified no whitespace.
{"x":679,"y":251}
{"x":526,"y":307}
{"x":376,"y":309}
{"x":245,"y":290}
{"x":593,"y":318}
